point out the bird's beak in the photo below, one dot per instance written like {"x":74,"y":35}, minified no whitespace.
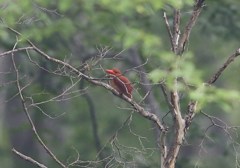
{"x":109,"y":71}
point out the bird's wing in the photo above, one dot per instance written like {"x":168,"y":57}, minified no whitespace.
{"x":123,"y":84}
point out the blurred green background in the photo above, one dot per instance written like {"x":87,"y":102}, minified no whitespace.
{"x":125,"y":34}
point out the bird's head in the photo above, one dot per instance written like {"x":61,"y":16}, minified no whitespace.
{"x":114,"y":71}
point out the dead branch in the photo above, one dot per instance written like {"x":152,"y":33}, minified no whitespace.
{"x":29,"y":159}
{"x":15,"y":50}
{"x":223,"y":67}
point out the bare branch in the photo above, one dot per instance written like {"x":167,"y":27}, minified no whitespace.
{"x":179,"y":129}
{"x":16,"y":50}
{"x":185,"y":36}
{"x":29,"y":159}
{"x":64,"y":93}
{"x":224,"y":66}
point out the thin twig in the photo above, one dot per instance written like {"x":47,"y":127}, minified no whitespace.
{"x":16,"y":50}
{"x":222,"y":126}
{"x":167,"y":100}
{"x":223,"y":67}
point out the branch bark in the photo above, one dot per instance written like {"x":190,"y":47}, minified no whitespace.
{"x":179,"y":124}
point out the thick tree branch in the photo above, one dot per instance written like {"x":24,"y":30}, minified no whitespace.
{"x":179,"y":130}
{"x":176,"y":29}
{"x":185,"y":36}
{"x":29,"y":159}
{"x":178,"y":42}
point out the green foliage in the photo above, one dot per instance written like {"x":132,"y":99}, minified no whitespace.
{"x":156,"y":75}
{"x":226,"y":99}
{"x":190,"y":81}
{"x":180,"y":67}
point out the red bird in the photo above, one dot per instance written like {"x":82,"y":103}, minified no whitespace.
{"x":120,"y":82}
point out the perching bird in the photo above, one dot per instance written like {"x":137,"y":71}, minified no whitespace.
{"x":120,"y":82}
